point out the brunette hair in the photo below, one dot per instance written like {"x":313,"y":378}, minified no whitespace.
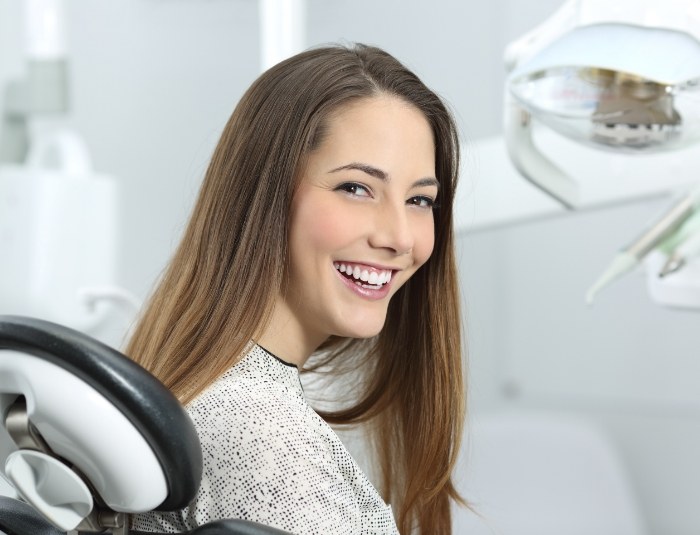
{"x":216,"y":295}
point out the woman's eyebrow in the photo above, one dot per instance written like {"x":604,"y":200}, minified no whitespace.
{"x":382,"y":175}
{"x":426,"y":182}
{"x":365,"y":168}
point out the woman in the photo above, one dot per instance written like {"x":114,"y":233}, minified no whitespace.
{"x":324,"y":225}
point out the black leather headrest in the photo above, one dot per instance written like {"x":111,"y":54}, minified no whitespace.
{"x":152,"y":408}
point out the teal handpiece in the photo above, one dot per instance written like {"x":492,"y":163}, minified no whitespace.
{"x":681,"y":219}
{"x":685,"y":249}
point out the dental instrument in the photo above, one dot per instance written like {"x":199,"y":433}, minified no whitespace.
{"x":627,"y":259}
{"x":686,"y":250}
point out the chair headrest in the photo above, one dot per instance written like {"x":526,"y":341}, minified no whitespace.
{"x":151,"y":409}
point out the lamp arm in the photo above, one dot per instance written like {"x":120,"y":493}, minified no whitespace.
{"x":14,"y":131}
{"x":530,"y":161}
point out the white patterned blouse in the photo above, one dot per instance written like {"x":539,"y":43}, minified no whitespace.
{"x":269,"y":458}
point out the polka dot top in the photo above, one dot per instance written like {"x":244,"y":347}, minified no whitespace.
{"x":269,"y":458}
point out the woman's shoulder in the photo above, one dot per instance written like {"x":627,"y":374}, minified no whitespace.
{"x":247,"y":401}
{"x":256,"y":382}
{"x":261,"y":401}
{"x":266,"y":452}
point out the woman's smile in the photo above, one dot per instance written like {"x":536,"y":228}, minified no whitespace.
{"x":365,"y":280}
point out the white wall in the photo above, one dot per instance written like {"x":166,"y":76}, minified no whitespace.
{"x":154,"y":83}
{"x":624,"y":362}
{"x":155,"y":80}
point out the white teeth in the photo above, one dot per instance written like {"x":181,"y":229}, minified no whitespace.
{"x":373,"y":278}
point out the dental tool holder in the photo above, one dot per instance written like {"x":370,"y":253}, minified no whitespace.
{"x":678,"y":290}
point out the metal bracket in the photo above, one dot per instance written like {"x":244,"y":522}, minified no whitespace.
{"x":99,"y":521}
{"x":22,"y":431}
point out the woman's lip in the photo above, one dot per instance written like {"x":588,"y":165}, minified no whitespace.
{"x":365,"y":293}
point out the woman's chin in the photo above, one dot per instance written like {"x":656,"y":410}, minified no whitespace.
{"x":367,"y":329}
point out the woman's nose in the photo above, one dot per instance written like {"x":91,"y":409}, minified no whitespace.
{"x":392,"y":230}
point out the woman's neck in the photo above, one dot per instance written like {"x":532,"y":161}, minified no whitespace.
{"x":286,"y":337}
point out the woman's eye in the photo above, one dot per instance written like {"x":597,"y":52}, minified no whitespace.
{"x":354,"y":189}
{"x":422,"y":201}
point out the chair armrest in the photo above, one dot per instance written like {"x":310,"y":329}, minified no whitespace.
{"x":236,"y":527}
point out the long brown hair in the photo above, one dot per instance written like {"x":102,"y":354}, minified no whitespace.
{"x":216,"y":294}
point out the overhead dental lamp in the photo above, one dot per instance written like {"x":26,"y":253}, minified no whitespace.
{"x":621,"y":76}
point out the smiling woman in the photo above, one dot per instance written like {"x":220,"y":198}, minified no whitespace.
{"x":372,"y":217}
{"x":323,"y":227}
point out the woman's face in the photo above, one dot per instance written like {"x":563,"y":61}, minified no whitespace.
{"x":362,"y":219}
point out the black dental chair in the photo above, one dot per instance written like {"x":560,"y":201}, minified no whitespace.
{"x":87,"y":437}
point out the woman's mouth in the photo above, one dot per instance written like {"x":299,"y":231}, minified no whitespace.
{"x":364,"y":276}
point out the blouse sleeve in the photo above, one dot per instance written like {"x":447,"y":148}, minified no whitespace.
{"x":265,"y":461}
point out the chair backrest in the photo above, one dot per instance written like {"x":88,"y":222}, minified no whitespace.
{"x":533,"y":473}
{"x":87,"y":432}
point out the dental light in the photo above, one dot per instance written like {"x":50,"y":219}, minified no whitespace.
{"x":622,"y":76}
